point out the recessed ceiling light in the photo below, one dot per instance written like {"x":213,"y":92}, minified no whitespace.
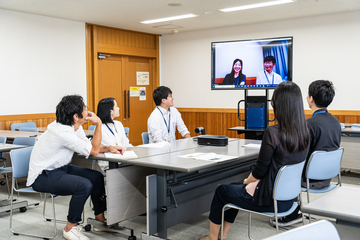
{"x":175,"y":4}
{"x":169,"y":18}
{"x":257,"y":5}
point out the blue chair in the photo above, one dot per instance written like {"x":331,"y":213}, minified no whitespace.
{"x":91,"y":128}
{"x":17,"y":126}
{"x":145,"y":137}
{"x":287,"y":186}
{"x":27,"y":141}
{"x":20,"y":167}
{"x":323,"y":165}
{"x":28,"y":129}
{"x":321,"y":230}
{"x":127,"y":131}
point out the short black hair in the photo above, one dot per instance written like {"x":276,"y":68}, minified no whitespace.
{"x":270,"y":59}
{"x":161,"y":93}
{"x":68,"y":107}
{"x":104,"y":109}
{"x":323,"y":92}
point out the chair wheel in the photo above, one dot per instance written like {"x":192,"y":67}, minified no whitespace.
{"x":23,"y":209}
{"x":87,"y":227}
{"x":2,"y":183}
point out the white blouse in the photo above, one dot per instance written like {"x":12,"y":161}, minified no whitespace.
{"x":115,"y":137}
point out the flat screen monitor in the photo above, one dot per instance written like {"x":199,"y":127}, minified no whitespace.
{"x":251,"y":64}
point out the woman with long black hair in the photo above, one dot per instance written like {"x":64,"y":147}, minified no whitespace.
{"x":236,"y":77}
{"x":283,"y":144}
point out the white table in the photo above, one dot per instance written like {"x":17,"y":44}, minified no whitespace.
{"x":180,"y":188}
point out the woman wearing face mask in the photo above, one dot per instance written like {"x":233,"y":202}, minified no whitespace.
{"x":236,"y":77}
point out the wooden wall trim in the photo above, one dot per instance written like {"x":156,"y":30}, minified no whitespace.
{"x":27,"y":116}
{"x":233,"y":110}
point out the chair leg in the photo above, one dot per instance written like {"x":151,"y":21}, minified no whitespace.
{"x":27,"y":234}
{"x":59,"y":220}
{"x":222,"y":223}
{"x":249,"y":227}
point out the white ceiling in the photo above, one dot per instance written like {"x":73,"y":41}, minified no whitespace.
{"x":127,"y":14}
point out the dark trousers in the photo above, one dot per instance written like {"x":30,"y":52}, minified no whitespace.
{"x":76,"y":181}
{"x":235,"y":193}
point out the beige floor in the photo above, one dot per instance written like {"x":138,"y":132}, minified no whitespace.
{"x":32,"y":221}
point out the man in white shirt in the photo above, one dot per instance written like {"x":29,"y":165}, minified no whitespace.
{"x":165,"y":118}
{"x":268,"y":76}
{"x":50,"y":168}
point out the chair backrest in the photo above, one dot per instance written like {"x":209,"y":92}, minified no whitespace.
{"x":16,"y":126}
{"x":288,"y":182}
{"x":91,"y":128}
{"x":20,"y":159}
{"x":145,"y":137}
{"x":3,"y":141}
{"x":321,"y":230}
{"x":28,"y":141}
{"x":127,"y":131}
{"x":28,"y":129}
{"x":324,"y":165}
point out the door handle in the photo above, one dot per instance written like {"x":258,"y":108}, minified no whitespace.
{"x":124,"y":105}
{"x":128,"y":112}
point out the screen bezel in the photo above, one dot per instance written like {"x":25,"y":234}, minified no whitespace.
{"x":233,"y":87}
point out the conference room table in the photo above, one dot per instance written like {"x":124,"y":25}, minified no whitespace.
{"x":170,"y":188}
{"x":342,"y":204}
{"x":11,"y":135}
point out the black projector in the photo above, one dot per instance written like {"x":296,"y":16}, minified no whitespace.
{"x":213,"y":140}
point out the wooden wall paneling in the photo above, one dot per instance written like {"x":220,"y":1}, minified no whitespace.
{"x":41,"y":120}
{"x":217,"y":121}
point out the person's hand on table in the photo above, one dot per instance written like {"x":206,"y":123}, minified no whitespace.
{"x":117,"y":149}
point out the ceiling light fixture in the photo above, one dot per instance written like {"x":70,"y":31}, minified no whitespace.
{"x":169,"y":18}
{"x":256,"y":5}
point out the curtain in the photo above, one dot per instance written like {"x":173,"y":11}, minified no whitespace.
{"x":279,"y":50}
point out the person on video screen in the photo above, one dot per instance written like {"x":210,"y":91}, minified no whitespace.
{"x":268,"y":76}
{"x":236,"y":77}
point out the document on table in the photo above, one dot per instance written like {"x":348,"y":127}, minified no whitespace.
{"x":156,"y":145}
{"x":126,"y":155}
{"x":208,"y":157}
{"x":252,"y":145}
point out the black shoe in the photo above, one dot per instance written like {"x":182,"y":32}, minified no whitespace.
{"x":288,"y":220}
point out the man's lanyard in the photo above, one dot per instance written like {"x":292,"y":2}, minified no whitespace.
{"x":110,"y":129}
{"x":168,"y":126}
{"x":323,"y":111}
{"x":268,"y":79}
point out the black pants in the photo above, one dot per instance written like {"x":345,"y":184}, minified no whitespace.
{"x":235,"y":193}
{"x":76,"y":181}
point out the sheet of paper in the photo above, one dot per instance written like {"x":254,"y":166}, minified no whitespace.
{"x":126,"y":155}
{"x":252,"y":145}
{"x":155,"y":145}
{"x":208,"y":157}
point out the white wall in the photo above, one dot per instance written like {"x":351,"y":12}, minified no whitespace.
{"x":325,"y":47}
{"x":41,"y":60}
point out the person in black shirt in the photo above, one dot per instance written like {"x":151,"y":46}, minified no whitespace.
{"x":283,"y":144}
{"x":325,"y":135}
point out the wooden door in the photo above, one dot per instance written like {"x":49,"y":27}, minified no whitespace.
{"x":117,"y":74}
{"x":110,"y":78}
